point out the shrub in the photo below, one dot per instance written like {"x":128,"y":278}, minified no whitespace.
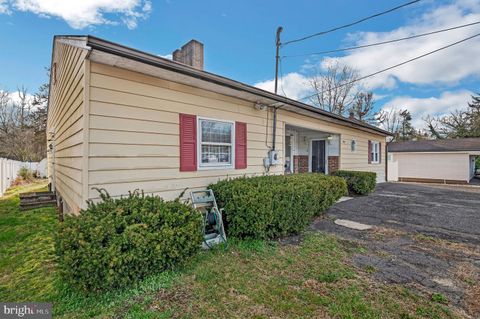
{"x":267,"y":207}
{"x":25,"y":173}
{"x":116,"y":242}
{"x":361,"y":183}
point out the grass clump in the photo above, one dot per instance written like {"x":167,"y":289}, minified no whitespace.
{"x":438,"y":297}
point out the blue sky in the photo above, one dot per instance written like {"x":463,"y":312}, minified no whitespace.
{"x":239,"y":42}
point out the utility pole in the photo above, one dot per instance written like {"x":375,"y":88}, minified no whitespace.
{"x":277,"y":59}
{"x":277,"y":56}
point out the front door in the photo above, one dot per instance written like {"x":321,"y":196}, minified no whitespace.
{"x":318,"y":156}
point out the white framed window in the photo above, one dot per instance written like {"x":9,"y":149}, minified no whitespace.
{"x":375,"y":155}
{"x":215,"y":141}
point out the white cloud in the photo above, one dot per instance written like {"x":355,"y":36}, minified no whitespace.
{"x":440,"y":70}
{"x":4,"y":8}
{"x":446,"y":67}
{"x":293,"y":85}
{"x":83,"y":13}
{"x":166,"y":56}
{"x":437,"y":106}
{"x":14,"y":98}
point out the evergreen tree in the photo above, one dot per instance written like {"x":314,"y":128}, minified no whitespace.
{"x":407,"y":131}
{"x":474,"y":115}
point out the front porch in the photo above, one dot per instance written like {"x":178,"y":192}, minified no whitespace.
{"x":308,"y":150}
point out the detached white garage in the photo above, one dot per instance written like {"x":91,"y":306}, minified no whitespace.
{"x":449,"y":161}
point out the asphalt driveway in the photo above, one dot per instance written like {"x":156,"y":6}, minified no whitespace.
{"x":442,"y":212}
{"x":426,"y":238}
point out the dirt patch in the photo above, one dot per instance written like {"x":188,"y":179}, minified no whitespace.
{"x":319,"y":287}
{"x":380,"y":233}
{"x":469,"y":275}
{"x":472,"y":300}
{"x":176,"y":301}
{"x":451,"y":248}
{"x":232,"y":292}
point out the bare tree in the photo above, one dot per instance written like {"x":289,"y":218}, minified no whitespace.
{"x":461,"y":123}
{"x":390,"y":120}
{"x":23,"y":106}
{"x":334,"y":89}
{"x":23,"y":122}
{"x":455,"y":125}
{"x":362,"y":108}
{"x":6,"y":112}
{"x":21,"y":135}
{"x":7,"y":124}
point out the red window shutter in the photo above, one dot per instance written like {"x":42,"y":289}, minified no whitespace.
{"x":188,"y":143}
{"x":379,"y":152}
{"x":369,"y":152}
{"x":240,"y":145}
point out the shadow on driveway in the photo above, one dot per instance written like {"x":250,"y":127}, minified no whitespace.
{"x":425,"y":238}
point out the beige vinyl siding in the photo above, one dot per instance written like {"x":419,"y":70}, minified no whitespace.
{"x":65,"y":118}
{"x":134,"y":133}
{"x":358,"y":160}
{"x":435,"y":166}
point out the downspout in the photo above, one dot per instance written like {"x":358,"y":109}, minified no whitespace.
{"x":274,"y":128}
{"x":51,"y":149}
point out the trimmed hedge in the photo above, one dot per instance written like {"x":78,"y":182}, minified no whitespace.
{"x":116,"y":242}
{"x":361,"y":183}
{"x":267,"y":207}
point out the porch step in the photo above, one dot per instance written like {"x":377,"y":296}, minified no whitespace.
{"x":37,"y":200}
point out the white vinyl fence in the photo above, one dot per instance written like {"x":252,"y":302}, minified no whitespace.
{"x":9,"y":171}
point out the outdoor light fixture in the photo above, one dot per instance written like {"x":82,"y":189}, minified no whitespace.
{"x":259,"y":106}
{"x":353,"y":145}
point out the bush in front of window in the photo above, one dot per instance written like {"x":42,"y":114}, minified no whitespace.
{"x":116,"y":242}
{"x":359,"y":183}
{"x":268,"y":207}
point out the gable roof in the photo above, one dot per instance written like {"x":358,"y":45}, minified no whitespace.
{"x":444,"y":145}
{"x":115,"y":49}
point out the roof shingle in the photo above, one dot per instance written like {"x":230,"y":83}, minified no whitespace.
{"x":444,"y":145}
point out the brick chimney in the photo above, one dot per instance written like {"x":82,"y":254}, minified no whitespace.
{"x":351,"y":115}
{"x":190,"y":54}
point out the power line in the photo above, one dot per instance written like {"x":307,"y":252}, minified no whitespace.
{"x":394,"y":66}
{"x":383,"y":42}
{"x":350,"y":24}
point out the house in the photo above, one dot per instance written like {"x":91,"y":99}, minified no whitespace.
{"x":122,"y":119}
{"x":436,"y":161}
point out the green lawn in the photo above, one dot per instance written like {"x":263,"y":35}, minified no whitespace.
{"x":26,"y":248}
{"x":250,"y":279}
